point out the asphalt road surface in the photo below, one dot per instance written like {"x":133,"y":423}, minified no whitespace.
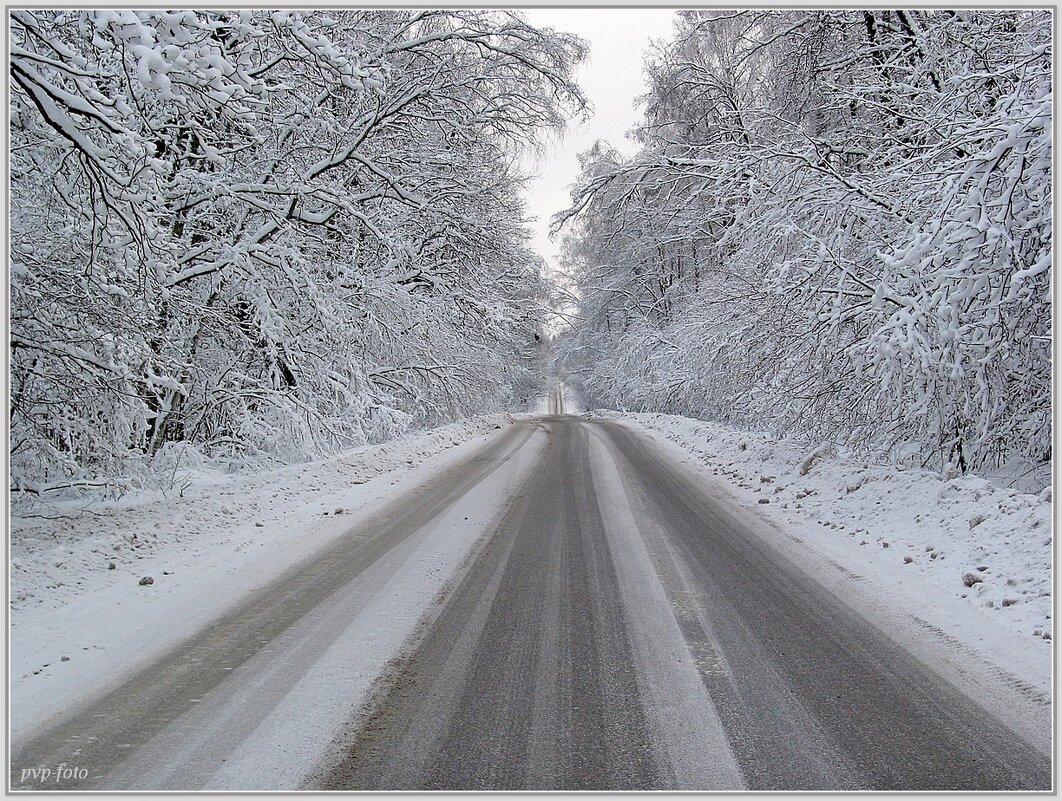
{"x":619,"y":630}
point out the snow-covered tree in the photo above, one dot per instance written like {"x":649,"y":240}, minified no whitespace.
{"x":838,"y":225}
{"x":268,"y":232}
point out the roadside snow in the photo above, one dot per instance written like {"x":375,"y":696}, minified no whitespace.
{"x":62,"y":550}
{"x":984,"y":544}
{"x":77,"y":626}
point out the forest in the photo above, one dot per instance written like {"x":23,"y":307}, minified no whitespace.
{"x":268,"y":233}
{"x":837,"y":227}
{"x":281,"y":234}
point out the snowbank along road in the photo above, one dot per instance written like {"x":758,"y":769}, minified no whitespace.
{"x":609,"y":626}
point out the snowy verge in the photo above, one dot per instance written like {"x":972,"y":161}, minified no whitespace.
{"x":77,"y":626}
{"x":65,"y":550}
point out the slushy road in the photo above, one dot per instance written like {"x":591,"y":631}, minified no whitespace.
{"x":618,"y":629}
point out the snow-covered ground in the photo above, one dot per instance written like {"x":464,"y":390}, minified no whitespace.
{"x":968,"y":539}
{"x":64,"y":549}
{"x":77,"y":624}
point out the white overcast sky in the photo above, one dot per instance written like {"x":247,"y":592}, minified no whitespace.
{"x":611,"y":78}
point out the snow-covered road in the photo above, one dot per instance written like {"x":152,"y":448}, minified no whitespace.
{"x":559,"y":604}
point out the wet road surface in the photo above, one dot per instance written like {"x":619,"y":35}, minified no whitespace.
{"x":620,"y":629}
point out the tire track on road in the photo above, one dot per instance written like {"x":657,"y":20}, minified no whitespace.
{"x":813,"y":695}
{"x":102,"y":733}
{"x":526,"y":680}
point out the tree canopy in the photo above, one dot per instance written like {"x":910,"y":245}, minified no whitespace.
{"x":838,"y":225}
{"x":269,"y":232}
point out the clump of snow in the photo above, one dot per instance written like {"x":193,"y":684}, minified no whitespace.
{"x":809,"y":461}
{"x":983,"y":543}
